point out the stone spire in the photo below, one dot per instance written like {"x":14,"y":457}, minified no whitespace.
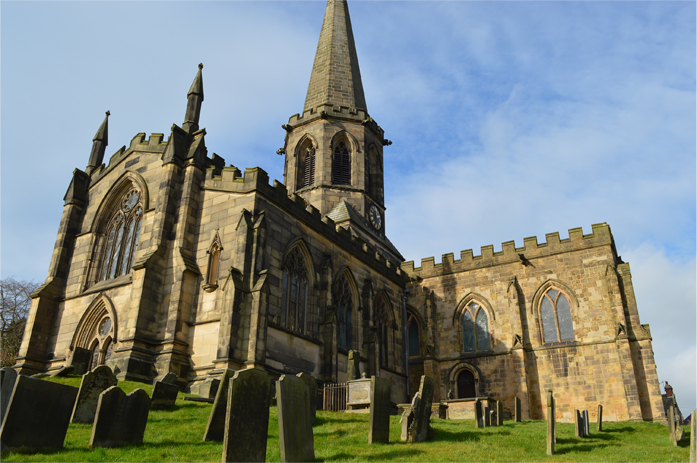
{"x":99,"y":144}
{"x":336,"y":78}
{"x":193,"y":106}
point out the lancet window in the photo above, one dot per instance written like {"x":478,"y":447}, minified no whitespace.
{"x":414,"y":336}
{"x":344,"y":306}
{"x":294,"y":293}
{"x":555,"y":313}
{"x":122,"y":234}
{"x":306,"y":166}
{"x":383,"y":324}
{"x":475,"y":328}
{"x":341,"y":165}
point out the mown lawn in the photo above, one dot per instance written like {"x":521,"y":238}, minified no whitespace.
{"x":175,"y":435}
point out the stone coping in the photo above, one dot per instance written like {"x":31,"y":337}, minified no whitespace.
{"x":470,"y":399}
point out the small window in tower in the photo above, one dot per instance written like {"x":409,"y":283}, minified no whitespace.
{"x":341,"y":165}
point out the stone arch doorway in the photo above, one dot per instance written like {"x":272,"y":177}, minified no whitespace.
{"x":466,"y":385}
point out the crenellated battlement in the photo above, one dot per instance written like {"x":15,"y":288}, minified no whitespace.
{"x":327,"y":110}
{"x":256,"y":179}
{"x":509,"y":253}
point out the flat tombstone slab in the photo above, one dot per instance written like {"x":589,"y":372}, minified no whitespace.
{"x":247,"y":416}
{"x":121,"y":418}
{"x":38,"y":414}
{"x":311,"y":383}
{"x":80,"y":360}
{"x":9,"y":376}
{"x":294,"y":426}
{"x":215,"y":429}
{"x":164,"y":395}
{"x":92,"y":385}
{"x":518,"y":407}
{"x":380,"y":393}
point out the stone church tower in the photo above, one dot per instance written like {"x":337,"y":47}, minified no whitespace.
{"x":167,"y":261}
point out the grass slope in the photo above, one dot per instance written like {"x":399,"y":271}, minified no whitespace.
{"x":175,"y":435}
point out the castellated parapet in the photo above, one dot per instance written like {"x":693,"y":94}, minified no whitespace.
{"x":531,"y":250}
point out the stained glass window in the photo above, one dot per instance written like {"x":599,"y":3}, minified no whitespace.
{"x":294,"y":292}
{"x":482,"y":331}
{"x":123,"y":233}
{"x":344,"y":305}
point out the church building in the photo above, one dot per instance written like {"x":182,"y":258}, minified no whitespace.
{"x":169,"y":260}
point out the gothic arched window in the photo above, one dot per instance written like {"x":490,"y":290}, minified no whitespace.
{"x":555,"y":313}
{"x":294,"y":292}
{"x":101,"y":345}
{"x":122,"y":234}
{"x":414,"y":336}
{"x":341,"y":165}
{"x":344,"y":306}
{"x":383,"y":322}
{"x":306,"y":166}
{"x":475,"y":328}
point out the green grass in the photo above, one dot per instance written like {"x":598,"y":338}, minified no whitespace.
{"x":175,"y":435}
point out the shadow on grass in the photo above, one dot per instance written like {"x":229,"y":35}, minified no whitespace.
{"x":583,"y":448}
{"x":394,"y":454}
{"x":614,"y":430}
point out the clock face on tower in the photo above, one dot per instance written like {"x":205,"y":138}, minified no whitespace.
{"x":375,"y":218}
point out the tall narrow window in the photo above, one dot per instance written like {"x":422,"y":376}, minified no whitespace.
{"x":294,"y":292}
{"x":382,"y":321}
{"x":414,"y":336}
{"x":122,"y":236}
{"x":475,"y":328}
{"x":344,"y":307}
{"x":306,"y":165}
{"x":374,"y":174}
{"x":555,"y":313}
{"x":341,"y":165}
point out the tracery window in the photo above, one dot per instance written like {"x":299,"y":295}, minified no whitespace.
{"x":414,"y":336}
{"x":306,"y":166}
{"x":294,"y":292}
{"x":382,"y":322}
{"x":555,"y":313}
{"x":344,"y":306}
{"x":122,"y":232}
{"x":341,"y":165}
{"x":475,"y":328}
{"x":102,"y":346}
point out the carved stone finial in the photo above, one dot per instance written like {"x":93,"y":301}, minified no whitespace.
{"x":108,"y":113}
{"x":200,"y":65}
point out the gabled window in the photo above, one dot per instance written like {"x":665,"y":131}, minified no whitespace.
{"x":122,"y":234}
{"x":475,"y":328}
{"x":344,"y":307}
{"x":341,"y":165}
{"x":294,"y":292}
{"x":555,"y":313}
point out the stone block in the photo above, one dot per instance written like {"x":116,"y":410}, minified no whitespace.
{"x":80,"y":360}
{"x":7,"y":384}
{"x":92,"y":385}
{"x":247,"y":416}
{"x":164,"y":395}
{"x":294,"y":426}
{"x":215,"y":429}
{"x":121,"y":419}
{"x":38,"y":414}
{"x":380,"y":392}
{"x":311,"y":383}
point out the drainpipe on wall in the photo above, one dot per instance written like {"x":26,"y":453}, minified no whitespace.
{"x":405,"y":338}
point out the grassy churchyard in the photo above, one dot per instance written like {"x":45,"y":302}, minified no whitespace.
{"x":175,"y":435}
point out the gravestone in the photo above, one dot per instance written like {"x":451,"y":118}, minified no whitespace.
{"x":380,"y":393}
{"x":121,"y":418}
{"x":169,"y":378}
{"x":600,"y":418}
{"x":408,"y":417}
{"x":354,"y":365}
{"x":499,"y":413}
{"x":518,"y":416}
{"x":478,"y":415}
{"x":586,"y":424}
{"x":486,"y":415}
{"x":247,"y":416}
{"x":215,"y":429}
{"x":671,"y":425}
{"x":693,"y":438}
{"x":92,"y":385}
{"x":294,"y":426}
{"x":80,"y":360}
{"x":551,"y":432}
{"x":580,"y":426}
{"x":209,"y":388}
{"x":38,"y":414}
{"x":311,"y":384}
{"x":164,"y":395}
{"x":418,"y":431}
{"x":7,"y":384}
{"x":64,"y":371}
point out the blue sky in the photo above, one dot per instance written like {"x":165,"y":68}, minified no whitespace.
{"x":509,"y":120}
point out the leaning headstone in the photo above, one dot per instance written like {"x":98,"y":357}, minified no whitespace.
{"x":671,"y":425}
{"x":164,"y":395}
{"x":169,"y":378}
{"x":693,"y":438}
{"x":518,"y":415}
{"x":380,"y":392}
{"x":64,"y":371}
{"x":209,"y":388}
{"x":247,"y":416}
{"x":92,"y":385}
{"x":478,"y":414}
{"x":550,"y":423}
{"x":9,"y":376}
{"x":418,"y":432}
{"x":600,"y":418}
{"x":311,"y":384}
{"x":499,"y":413}
{"x":121,"y":418}
{"x":215,"y":429}
{"x":408,"y":417}
{"x":586,"y":424}
{"x":80,"y":360}
{"x":294,"y":426}
{"x":38,"y":414}
{"x":353,"y":369}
